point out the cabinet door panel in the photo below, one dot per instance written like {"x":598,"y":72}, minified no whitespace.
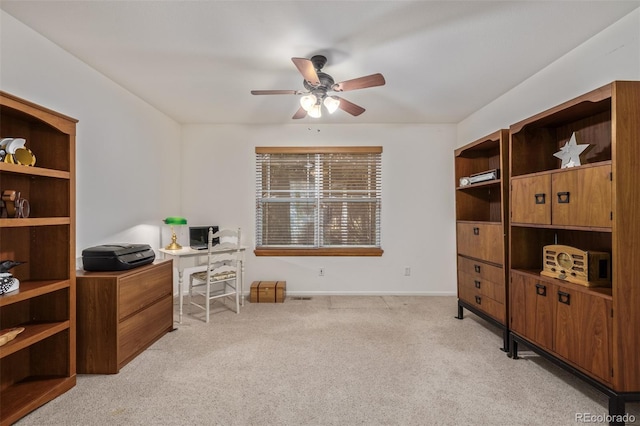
{"x":481,"y":241}
{"x":531,"y":309}
{"x":596,"y":348}
{"x":582,"y":197}
{"x":530,"y":200}
{"x":518,"y":305}
{"x":567,"y":328}
{"x":583,"y":331}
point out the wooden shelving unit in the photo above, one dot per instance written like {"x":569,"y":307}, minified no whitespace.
{"x":481,"y":222}
{"x":592,"y":332}
{"x":40,"y":363}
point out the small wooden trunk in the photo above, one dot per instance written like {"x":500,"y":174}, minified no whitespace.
{"x":268,"y":291}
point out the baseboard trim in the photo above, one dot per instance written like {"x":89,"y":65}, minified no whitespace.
{"x":359,"y":293}
{"x":368,"y":293}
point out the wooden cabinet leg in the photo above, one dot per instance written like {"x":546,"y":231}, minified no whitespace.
{"x":460,"y":312}
{"x":616,"y":410}
{"x":505,"y":340}
{"x":513,"y":348}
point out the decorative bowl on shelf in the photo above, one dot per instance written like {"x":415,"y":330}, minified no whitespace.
{"x":8,"y":334}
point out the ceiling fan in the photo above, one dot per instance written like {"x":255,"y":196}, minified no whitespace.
{"x":318,"y":85}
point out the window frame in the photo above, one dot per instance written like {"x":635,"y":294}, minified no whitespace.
{"x":319,"y":251}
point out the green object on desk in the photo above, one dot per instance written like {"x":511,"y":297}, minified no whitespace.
{"x":175,"y":220}
{"x":172,"y":221}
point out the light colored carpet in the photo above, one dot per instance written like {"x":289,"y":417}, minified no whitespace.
{"x":330,"y":361}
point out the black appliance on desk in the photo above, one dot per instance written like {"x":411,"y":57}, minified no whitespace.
{"x":117,"y":257}
{"x":199,"y":237}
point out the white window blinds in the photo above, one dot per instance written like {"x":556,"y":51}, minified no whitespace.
{"x":318,"y":197}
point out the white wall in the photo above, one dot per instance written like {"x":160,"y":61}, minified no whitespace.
{"x":613,"y":54}
{"x":418,"y":227}
{"x":126,"y":150}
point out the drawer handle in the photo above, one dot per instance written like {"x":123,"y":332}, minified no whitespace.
{"x":477,"y":283}
{"x":476,"y":231}
{"x":476,"y":268}
{"x":541,"y":290}
{"x":564,"y":298}
{"x":540,"y":198}
{"x":479,"y":300}
{"x":563,"y":197}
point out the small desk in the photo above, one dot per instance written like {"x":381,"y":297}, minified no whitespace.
{"x":187,"y":257}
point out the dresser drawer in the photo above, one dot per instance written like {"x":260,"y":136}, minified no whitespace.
{"x":480,"y":269}
{"x":136,"y":291}
{"x":474,"y":297}
{"x":481,"y":240}
{"x":141,"y":330}
{"x":484,"y":287}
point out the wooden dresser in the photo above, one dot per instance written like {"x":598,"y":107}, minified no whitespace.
{"x":120,"y":314}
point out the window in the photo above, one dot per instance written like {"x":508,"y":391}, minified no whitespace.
{"x":318,"y":201}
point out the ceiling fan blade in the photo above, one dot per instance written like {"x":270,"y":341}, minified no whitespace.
{"x":350,"y":107}
{"x":275,"y":92}
{"x":308,"y":71}
{"x":360,"y":83}
{"x":300,"y":113}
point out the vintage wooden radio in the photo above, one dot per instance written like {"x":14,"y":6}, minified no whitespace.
{"x":588,"y":268}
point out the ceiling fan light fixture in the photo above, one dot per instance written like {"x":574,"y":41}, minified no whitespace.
{"x":307,"y":102}
{"x":331,"y":103}
{"x":315,"y":111}
{"x":317,"y":84}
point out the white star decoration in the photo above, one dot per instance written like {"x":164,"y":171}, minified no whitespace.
{"x":570,"y":153}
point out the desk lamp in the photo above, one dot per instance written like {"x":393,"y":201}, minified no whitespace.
{"x":172,"y":221}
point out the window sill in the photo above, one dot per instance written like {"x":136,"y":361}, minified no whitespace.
{"x":319,"y":252}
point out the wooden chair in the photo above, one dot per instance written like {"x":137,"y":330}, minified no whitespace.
{"x":221,"y":278}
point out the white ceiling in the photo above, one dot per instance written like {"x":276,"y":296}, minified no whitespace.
{"x":198,"y":60}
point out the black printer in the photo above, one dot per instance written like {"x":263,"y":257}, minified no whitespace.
{"x":116,"y":257}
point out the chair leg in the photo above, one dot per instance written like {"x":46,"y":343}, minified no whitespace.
{"x":241,"y":290}
{"x":237,"y":298}
{"x":207,"y":301}
{"x":190,"y":295}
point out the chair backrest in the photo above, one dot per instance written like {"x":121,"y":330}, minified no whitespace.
{"x":227,"y":261}
{"x":229,"y":239}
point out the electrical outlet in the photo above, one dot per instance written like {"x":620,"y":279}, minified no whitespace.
{"x":321,"y":272}
{"x":407,"y":271}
